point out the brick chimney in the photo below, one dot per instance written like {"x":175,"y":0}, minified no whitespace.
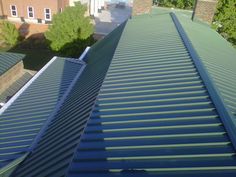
{"x":204,"y":10}
{"x":142,"y":7}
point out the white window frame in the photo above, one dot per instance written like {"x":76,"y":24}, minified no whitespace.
{"x":13,"y":10}
{"x":45,"y":14}
{"x":28,"y":12}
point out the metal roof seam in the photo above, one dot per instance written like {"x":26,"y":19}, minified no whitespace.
{"x":225,"y":115}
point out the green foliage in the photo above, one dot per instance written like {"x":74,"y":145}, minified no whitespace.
{"x":8,"y":33}
{"x":70,"y":31}
{"x":225,"y":20}
{"x":181,"y":4}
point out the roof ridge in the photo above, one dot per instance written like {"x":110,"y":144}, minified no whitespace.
{"x":220,"y":105}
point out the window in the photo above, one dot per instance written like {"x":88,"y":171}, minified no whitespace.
{"x":47,"y":14}
{"x":13,"y":10}
{"x":30,"y":12}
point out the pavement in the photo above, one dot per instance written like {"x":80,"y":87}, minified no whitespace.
{"x":110,"y":18}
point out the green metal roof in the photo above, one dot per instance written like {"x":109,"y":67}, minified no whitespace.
{"x":22,"y":118}
{"x":218,"y":56}
{"x":154,"y":115}
{"x":8,"y":60}
{"x":144,"y":105}
{"x":17,"y":85}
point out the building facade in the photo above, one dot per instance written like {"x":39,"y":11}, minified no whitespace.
{"x":32,"y":11}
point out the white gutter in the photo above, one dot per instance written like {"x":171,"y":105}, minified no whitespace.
{"x":26,"y":85}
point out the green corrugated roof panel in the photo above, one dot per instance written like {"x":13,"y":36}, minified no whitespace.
{"x":153,"y":116}
{"x":55,"y":150}
{"x":8,"y":60}
{"x":22,"y":120}
{"x":218,"y":56}
{"x":19,"y":83}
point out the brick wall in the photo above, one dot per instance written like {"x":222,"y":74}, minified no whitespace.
{"x":11,"y":76}
{"x":205,"y":10}
{"x":142,"y":7}
{"x":38,"y":6}
{"x":26,"y":30}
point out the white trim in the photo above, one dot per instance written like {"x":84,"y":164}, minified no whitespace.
{"x":45,"y":14}
{"x":14,"y":19}
{"x":31,"y":20}
{"x":26,"y":85}
{"x":13,"y":10}
{"x":57,"y":108}
{"x":84,"y":54}
{"x":31,"y":12}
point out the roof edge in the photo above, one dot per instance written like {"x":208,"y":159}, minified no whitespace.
{"x":12,"y":100}
{"x":225,"y":115}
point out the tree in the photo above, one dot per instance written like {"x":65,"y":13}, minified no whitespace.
{"x":225,"y":18}
{"x":8,"y":33}
{"x":181,"y":4}
{"x":70,"y":31}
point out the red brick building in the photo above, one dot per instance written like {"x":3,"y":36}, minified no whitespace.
{"x":33,"y":11}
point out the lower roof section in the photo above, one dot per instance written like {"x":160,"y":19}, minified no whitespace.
{"x":8,"y":60}
{"x":23,"y":117}
{"x":16,"y":86}
{"x":154,"y":115}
